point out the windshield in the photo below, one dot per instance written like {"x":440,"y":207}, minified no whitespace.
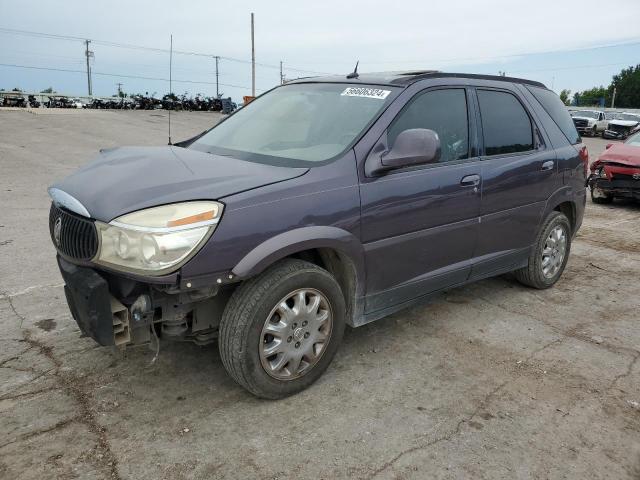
{"x":626,"y":116}
{"x":298,"y":123}
{"x":584,"y":113}
{"x":634,"y":140}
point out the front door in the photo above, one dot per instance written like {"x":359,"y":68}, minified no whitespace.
{"x":419,"y":225}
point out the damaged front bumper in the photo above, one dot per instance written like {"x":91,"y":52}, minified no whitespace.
{"x":621,"y":188}
{"x":615,"y":134}
{"x":115,"y":311}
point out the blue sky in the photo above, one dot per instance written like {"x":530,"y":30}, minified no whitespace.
{"x":558,"y":43}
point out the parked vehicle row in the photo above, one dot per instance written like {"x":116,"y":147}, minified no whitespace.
{"x":608,"y":124}
{"x":136,"y":102}
{"x":18,"y":100}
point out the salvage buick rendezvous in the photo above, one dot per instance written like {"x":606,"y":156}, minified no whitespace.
{"x":325,"y":202}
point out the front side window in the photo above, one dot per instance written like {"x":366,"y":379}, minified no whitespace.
{"x":443,"y":111}
{"x":505,"y":124}
{"x":298,"y":124}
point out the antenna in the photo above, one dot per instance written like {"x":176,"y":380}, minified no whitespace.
{"x":354,"y":74}
{"x":170,"y":86}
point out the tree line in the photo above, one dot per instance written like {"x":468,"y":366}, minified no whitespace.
{"x":626,"y":85}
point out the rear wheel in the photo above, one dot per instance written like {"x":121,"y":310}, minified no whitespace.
{"x":549,"y":255}
{"x":598,"y":196}
{"x":281,"y":329}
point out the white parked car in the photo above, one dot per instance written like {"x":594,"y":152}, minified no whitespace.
{"x":589,"y":122}
{"x":621,"y":125}
{"x":76,"y":103}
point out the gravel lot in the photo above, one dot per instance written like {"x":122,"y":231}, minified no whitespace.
{"x":492,"y":380}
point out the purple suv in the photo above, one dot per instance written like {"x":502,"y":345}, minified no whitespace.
{"x":325,"y":202}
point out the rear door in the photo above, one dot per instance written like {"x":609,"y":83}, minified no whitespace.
{"x":519,"y":172}
{"x":419,"y":225}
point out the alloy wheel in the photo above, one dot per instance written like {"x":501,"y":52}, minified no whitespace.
{"x":295,"y":334}
{"x":554,"y":251}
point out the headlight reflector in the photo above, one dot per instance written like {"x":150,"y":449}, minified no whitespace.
{"x":157,"y":240}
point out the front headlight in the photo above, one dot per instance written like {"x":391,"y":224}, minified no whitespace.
{"x":601,"y":173}
{"x":159,"y":239}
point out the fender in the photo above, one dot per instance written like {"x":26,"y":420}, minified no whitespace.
{"x":565,"y":193}
{"x":298,"y":240}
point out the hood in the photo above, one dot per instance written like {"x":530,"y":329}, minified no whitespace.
{"x":624,"y":123}
{"x":127,"y":179}
{"x":621,"y":154}
{"x":588,"y":119}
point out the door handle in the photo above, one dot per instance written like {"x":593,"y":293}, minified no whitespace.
{"x":470,"y":180}
{"x":548,"y":165}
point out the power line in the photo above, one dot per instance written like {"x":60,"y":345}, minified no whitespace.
{"x":576,"y":67}
{"x":626,"y":43}
{"x":118,"y":75}
{"x":129,"y":46}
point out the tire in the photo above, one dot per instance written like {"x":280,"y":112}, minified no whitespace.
{"x":534,"y":275}
{"x":594,"y":131}
{"x":249,"y":316}
{"x":603,"y":200}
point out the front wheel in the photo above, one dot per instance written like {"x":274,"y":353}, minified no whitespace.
{"x":549,"y":254}
{"x":281,"y":329}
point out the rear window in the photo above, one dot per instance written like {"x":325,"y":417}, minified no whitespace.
{"x":557,"y":111}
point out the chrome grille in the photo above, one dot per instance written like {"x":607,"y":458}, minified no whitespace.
{"x":73,"y":236}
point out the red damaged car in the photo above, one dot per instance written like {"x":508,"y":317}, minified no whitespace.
{"x":616,"y":173}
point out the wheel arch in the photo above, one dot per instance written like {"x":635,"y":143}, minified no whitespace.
{"x":563,"y":201}
{"x":331,"y":248}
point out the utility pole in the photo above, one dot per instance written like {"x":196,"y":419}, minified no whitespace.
{"x":88,"y":54}
{"x":613,"y":98}
{"x":281,"y":76}
{"x":217,"y":93}
{"x":253,"y":61}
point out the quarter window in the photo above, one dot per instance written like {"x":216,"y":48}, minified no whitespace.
{"x":506,"y":126}
{"x":443,"y":111}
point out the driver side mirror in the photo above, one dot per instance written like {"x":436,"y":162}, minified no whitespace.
{"x":416,"y":146}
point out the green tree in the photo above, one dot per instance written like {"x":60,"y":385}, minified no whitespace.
{"x":564,"y":96}
{"x":47,"y":90}
{"x":627,"y":85}
{"x":592,"y":97}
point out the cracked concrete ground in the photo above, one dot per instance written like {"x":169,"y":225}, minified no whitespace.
{"x":492,"y":380}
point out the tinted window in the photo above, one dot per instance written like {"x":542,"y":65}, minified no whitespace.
{"x":505,"y":124}
{"x":557,"y":111}
{"x":443,"y":111}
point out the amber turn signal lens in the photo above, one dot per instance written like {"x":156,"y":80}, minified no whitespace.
{"x":200,"y":217}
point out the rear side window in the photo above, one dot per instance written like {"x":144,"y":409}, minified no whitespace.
{"x":506,"y":126}
{"x":443,"y":111}
{"x":557,"y":111}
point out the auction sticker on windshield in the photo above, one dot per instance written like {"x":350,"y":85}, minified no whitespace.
{"x":366,"y":92}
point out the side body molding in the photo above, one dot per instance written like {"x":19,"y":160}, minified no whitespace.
{"x":298,"y":240}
